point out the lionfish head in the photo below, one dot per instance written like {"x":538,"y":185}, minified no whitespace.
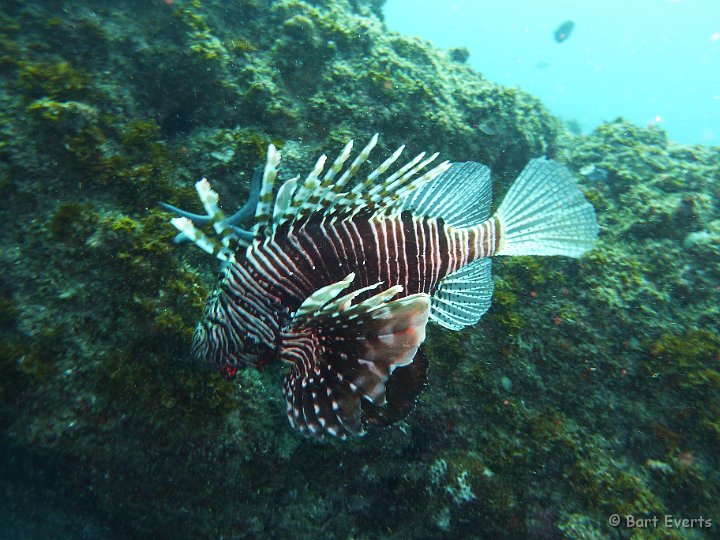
{"x":225,"y":343}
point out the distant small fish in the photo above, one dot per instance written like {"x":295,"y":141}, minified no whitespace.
{"x":654,"y":121}
{"x":563,"y":31}
{"x":487,"y":128}
{"x":542,"y":65}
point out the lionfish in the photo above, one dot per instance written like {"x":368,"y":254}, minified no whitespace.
{"x":339,"y":276}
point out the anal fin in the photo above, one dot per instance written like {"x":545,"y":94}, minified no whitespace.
{"x":464,"y":296}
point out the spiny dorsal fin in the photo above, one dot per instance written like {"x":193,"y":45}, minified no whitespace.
{"x":389,"y":197}
{"x":328,"y":195}
{"x":263,"y":211}
{"x":352,"y":170}
{"x":297,"y":202}
{"x":461,"y":196}
{"x":284,"y":199}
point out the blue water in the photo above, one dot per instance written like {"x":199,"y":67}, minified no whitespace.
{"x":650,"y":61}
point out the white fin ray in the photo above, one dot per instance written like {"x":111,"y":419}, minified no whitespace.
{"x":353,"y":198}
{"x":359,"y":160}
{"x":361,"y":188}
{"x":387,"y":198}
{"x":384,"y":166}
{"x":200,"y":239}
{"x":393,"y":203}
{"x":314,"y":304}
{"x":301,"y":202}
{"x":263,"y":211}
{"x":391,"y":187}
{"x":324,"y":302}
{"x":464,"y":296}
{"x":209,"y":199}
{"x":344,"y":302}
{"x":545,"y":213}
{"x":327,"y":191}
{"x":323,"y":193}
{"x":338,"y":163}
{"x":461,"y":196}
{"x":350,"y":173}
{"x":374,"y":302}
{"x":284,"y":198}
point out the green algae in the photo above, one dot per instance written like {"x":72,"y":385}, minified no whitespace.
{"x":73,"y":222}
{"x":8,"y":309}
{"x":689,"y":365}
{"x":695,"y":346}
{"x":689,"y":361}
{"x":59,"y":81}
{"x":130,"y":159}
{"x":612,"y":490}
{"x":57,"y":112}
{"x":9,"y":51}
{"x":12,"y":380}
{"x":40,"y":360}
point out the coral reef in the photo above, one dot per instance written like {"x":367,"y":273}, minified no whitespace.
{"x":590,"y":388}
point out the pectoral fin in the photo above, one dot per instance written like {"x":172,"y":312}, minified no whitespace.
{"x":345,"y":359}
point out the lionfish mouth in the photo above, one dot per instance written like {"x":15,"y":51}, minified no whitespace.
{"x":206,"y":349}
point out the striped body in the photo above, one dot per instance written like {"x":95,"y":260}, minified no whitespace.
{"x":340,"y":273}
{"x":261,"y":289}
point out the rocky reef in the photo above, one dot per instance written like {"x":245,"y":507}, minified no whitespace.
{"x":591,"y":387}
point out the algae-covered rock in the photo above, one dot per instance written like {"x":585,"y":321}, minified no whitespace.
{"x":109,"y":107}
